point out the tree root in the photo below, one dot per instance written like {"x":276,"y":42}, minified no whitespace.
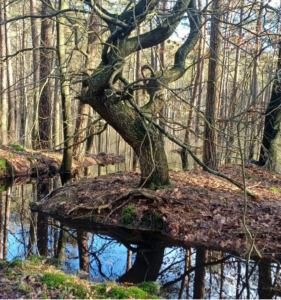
{"x":130,"y":194}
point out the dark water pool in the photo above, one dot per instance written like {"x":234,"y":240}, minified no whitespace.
{"x":109,"y":253}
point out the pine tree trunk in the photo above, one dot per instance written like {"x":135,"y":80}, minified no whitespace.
{"x":46,"y":64}
{"x":213,"y":87}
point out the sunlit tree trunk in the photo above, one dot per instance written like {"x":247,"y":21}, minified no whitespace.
{"x":4,"y":80}
{"x":84,"y":110}
{"x":255,"y":84}
{"x":194,"y":96}
{"x":10,"y":78}
{"x":234,"y":93}
{"x":36,"y":74}
{"x":65,"y":93}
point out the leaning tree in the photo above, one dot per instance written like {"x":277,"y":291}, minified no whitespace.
{"x":112,"y":95}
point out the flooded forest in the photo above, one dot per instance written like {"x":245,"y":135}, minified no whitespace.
{"x":140,"y":149}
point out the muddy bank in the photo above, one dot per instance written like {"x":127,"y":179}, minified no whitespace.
{"x":199,"y":208}
{"x":16,"y":161}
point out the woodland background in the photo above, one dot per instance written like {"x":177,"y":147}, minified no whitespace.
{"x":51,"y":45}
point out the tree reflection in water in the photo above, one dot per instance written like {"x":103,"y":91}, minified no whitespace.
{"x":108,"y":253}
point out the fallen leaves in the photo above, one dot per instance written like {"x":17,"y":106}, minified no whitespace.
{"x":199,"y":207}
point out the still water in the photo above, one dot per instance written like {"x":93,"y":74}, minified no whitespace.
{"x":108,"y":253}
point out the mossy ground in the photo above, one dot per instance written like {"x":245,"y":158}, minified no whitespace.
{"x":40,"y":277}
{"x":5,"y":167}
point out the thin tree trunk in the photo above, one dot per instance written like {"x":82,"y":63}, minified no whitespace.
{"x":36,"y":74}
{"x":65,"y":93}
{"x":46,"y":64}
{"x":82,"y":120}
{"x":10,"y":78}
{"x":214,"y":78}
{"x":4,"y":80}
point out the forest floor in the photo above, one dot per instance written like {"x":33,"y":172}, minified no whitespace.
{"x":41,"y":278}
{"x":199,"y":209}
{"x":17,"y":161}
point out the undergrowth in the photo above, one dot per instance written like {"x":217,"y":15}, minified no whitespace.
{"x":41,"y":278}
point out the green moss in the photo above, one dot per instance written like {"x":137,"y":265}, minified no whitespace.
{"x":152,"y":219}
{"x":150,"y":287}
{"x":3,"y":264}
{"x":15,"y":263}
{"x":3,"y":188}
{"x":66,"y":284}
{"x":5,"y":167}
{"x":35,"y":259}
{"x":53,"y":281}
{"x":119,"y":292}
{"x":275,"y":190}
{"x":129,"y":215}
{"x":18,"y":147}
{"x":11,"y":154}
{"x":156,"y":186}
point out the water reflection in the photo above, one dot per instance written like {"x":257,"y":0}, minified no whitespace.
{"x":107,"y":253}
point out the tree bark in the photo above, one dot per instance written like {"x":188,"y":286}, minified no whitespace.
{"x":271,"y":133}
{"x":4,"y":80}
{"x":100,"y":93}
{"x":213,"y":87}
{"x":36,"y":74}
{"x":65,"y":93}
{"x":46,"y":64}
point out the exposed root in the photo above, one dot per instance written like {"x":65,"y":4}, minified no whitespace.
{"x":136,"y":193}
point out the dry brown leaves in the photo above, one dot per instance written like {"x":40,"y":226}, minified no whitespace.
{"x":199,"y":208}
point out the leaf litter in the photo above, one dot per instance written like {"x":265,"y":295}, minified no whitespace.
{"x":199,"y":209}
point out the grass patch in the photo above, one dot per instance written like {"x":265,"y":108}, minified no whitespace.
{"x":129,"y":215}
{"x":274,"y":189}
